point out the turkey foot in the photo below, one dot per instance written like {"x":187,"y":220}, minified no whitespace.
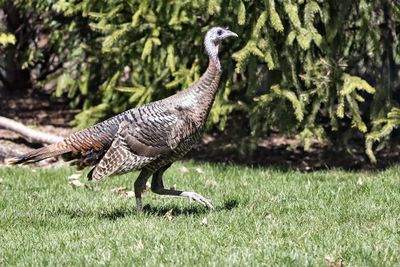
{"x":198,"y":198}
{"x":190,"y":195}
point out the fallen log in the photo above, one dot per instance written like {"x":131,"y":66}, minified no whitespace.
{"x":31,"y":135}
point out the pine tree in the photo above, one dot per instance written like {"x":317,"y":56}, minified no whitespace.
{"x":307,"y":67}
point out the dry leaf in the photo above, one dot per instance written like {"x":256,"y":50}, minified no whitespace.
{"x":184,"y":170}
{"x":76,"y":183}
{"x":168,"y":215}
{"x":199,"y":170}
{"x":204,"y":221}
{"x":360,"y":182}
{"x":268,"y":215}
{"x":74,"y":176}
{"x":211,"y":183}
{"x":139,"y":245}
{"x":122,"y":191}
{"x":129,"y":194}
{"x":119,"y":190}
{"x":331,"y":262}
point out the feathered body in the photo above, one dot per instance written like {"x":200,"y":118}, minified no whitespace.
{"x":148,"y":136}
{"x":145,"y":138}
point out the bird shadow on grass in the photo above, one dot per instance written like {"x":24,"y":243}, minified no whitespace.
{"x":160,"y":211}
{"x":194,"y":209}
{"x":148,"y":210}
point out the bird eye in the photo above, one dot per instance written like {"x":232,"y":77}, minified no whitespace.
{"x":219,"y":32}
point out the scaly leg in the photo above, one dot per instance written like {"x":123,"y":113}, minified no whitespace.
{"x":157,"y":187}
{"x":140,"y":186}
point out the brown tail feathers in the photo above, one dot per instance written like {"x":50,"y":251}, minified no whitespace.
{"x":40,"y":154}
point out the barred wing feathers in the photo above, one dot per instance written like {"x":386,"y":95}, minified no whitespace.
{"x":141,"y":141}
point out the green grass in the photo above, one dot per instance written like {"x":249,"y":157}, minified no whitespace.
{"x":262,"y":217}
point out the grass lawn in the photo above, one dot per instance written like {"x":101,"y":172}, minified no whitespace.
{"x":261,"y":217}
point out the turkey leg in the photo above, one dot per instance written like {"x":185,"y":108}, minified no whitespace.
{"x":140,"y":186}
{"x":157,"y":187}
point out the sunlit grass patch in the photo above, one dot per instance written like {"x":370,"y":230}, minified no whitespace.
{"x":261,"y":216}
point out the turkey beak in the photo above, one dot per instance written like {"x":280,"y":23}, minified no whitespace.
{"x":230,"y":34}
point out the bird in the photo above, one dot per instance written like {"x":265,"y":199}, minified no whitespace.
{"x":148,"y":138}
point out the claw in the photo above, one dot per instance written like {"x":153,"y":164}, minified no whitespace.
{"x":198,"y":198}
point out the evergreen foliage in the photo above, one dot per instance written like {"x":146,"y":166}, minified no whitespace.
{"x":6,"y":38}
{"x":306,"y":67}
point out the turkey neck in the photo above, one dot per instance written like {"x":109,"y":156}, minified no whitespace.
{"x":198,"y":99}
{"x":206,"y":89}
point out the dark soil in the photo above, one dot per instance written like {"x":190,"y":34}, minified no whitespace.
{"x":36,"y":108}
{"x":277,"y":152}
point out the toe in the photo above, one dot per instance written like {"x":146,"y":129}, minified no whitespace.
{"x":198,"y":198}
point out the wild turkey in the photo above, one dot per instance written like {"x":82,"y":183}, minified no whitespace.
{"x":147,"y":138}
